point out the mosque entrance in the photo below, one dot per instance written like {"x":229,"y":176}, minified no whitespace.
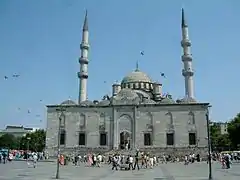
{"x":125,"y":133}
{"x":125,"y":140}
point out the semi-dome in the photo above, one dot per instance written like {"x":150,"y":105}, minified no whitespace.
{"x":68,"y":102}
{"x":87,"y":103}
{"x":167,"y":101}
{"x":148,"y":101}
{"x":104,"y":103}
{"x":136,"y":76}
{"x":187,"y":100}
{"x":126,"y":94}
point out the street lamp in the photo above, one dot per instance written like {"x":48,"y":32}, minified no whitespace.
{"x":28,"y":139}
{"x":209,"y":145}
{"x":61,"y":110}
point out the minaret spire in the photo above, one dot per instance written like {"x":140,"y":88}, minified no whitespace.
{"x":187,"y":71}
{"x":137,"y":66}
{"x":83,"y":60}
{"x":85,"y":25}
{"x":184,"y":24}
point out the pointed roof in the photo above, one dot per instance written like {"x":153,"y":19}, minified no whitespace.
{"x":137,"y":66}
{"x":85,"y":25}
{"x":184,"y":24}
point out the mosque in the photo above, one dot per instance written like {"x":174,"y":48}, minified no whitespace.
{"x":136,"y":116}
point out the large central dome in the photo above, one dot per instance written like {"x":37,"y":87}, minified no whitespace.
{"x":136,"y":76}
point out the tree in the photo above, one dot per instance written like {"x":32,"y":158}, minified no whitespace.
{"x":219,"y":141}
{"x":34,"y":141}
{"x":234,"y":131}
{"x":9,"y":141}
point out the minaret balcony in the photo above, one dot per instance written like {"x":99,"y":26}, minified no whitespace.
{"x":186,"y":43}
{"x":187,"y":72}
{"x":186,"y":57}
{"x":83,"y":60}
{"x":84,"y":45}
{"x":83,"y":75}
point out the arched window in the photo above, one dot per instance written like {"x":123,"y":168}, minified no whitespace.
{"x":62,"y":120}
{"x":102,"y":119}
{"x":62,"y":137}
{"x":170,"y":118}
{"x":82,"y":120}
{"x":191,"y":118}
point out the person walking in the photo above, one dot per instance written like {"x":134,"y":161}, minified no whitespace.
{"x":130,"y":165}
{"x":35,"y":158}
{"x":136,"y":162}
{"x":115,"y":163}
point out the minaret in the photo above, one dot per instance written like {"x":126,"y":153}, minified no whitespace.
{"x":83,"y":60}
{"x":187,"y":71}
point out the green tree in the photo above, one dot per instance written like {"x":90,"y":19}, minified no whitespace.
{"x":9,"y":141}
{"x":34,"y":141}
{"x":214,"y":134}
{"x":219,"y":141}
{"x":234,"y":131}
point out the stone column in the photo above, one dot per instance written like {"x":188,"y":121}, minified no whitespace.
{"x":134,"y":127}
{"x":115,"y":132}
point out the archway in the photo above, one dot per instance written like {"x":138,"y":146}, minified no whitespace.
{"x":125,"y":140}
{"x":125,"y":132}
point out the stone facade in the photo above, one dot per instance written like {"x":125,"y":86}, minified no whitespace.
{"x":158,"y":120}
{"x":136,"y":116}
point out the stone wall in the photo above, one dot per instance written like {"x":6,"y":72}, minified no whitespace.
{"x":159,"y":117}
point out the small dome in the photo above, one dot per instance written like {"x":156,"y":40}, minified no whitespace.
{"x":87,"y":103}
{"x":136,"y":76}
{"x":167,"y":101}
{"x":188,"y":100}
{"x":104,"y":103}
{"x":148,"y":101}
{"x":68,"y":102}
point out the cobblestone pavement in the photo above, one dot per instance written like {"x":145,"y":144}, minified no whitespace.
{"x":46,"y":171}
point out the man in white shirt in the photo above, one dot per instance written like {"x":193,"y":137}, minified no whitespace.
{"x":99,"y":160}
{"x":35,"y":158}
{"x":130,"y":165}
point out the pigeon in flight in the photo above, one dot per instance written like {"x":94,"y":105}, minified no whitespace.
{"x":163,"y":75}
{"x":142,"y":53}
{"x":15,"y":75}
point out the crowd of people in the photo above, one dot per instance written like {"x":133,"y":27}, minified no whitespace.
{"x":7,"y":155}
{"x":117,"y":160}
{"x":139,"y":160}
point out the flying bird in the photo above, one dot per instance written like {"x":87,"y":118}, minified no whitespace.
{"x":163,"y":75}
{"x":15,"y":75}
{"x":5,"y":77}
{"x":29,"y":111}
{"x":142,"y":53}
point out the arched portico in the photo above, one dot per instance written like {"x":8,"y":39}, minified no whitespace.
{"x":125,"y":132}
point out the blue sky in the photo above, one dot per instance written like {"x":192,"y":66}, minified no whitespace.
{"x":40,"y":41}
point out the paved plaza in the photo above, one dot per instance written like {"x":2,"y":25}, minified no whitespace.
{"x":46,"y":171}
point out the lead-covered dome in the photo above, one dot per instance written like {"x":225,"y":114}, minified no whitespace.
{"x":136,"y":76}
{"x":68,"y":102}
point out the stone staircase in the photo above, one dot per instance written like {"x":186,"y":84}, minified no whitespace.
{"x":123,"y":152}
